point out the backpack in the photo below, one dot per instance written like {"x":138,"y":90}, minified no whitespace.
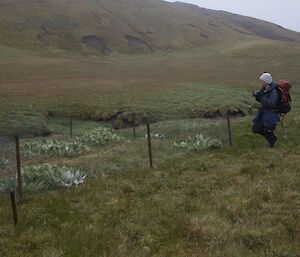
{"x":284,"y":97}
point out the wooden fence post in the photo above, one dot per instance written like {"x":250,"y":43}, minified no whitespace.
{"x":149,"y":144}
{"x":19,"y":175}
{"x":229,"y":128}
{"x":14,"y":208}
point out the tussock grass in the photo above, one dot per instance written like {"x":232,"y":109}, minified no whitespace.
{"x":24,"y":123}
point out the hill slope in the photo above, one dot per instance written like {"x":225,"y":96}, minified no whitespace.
{"x":125,"y":26}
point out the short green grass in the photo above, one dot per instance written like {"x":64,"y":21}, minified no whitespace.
{"x":239,"y":201}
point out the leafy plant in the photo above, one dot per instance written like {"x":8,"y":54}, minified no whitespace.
{"x":3,"y":163}
{"x":157,"y":135}
{"x":297,"y":119}
{"x":44,"y":177}
{"x":199,"y":143}
{"x":51,"y":147}
{"x":100,"y":136}
{"x":54,"y":147}
{"x":8,"y":184}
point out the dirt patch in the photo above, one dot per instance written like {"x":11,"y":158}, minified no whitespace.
{"x":205,"y":36}
{"x":96,"y":42}
{"x":135,"y":41}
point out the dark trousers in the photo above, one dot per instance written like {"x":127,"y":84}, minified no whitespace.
{"x":267,"y":132}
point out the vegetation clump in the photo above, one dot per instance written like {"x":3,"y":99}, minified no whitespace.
{"x":199,"y":143}
{"x":3,"y":163}
{"x":157,"y":135}
{"x":43,"y":178}
{"x":52,"y":147}
{"x":81,"y":145}
{"x":100,"y":136}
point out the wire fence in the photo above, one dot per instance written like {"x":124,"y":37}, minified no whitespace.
{"x":163,"y":140}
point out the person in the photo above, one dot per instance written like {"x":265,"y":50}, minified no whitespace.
{"x":267,"y":117}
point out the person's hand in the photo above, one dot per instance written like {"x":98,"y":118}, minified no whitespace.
{"x":254,"y":93}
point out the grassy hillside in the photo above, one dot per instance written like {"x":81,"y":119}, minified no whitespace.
{"x":100,"y":61}
{"x":62,"y":58}
{"x":184,"y":84}
{"x":106,"y":26}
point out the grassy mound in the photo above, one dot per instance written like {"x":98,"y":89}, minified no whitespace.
{"x":24,"y":123}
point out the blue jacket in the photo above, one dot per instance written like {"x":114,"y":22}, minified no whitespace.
{"x":268,"y":113}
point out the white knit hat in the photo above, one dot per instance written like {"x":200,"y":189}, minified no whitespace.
{"x":267,"y":78}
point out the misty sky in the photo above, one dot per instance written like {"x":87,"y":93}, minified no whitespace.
{"x":283,"y":12}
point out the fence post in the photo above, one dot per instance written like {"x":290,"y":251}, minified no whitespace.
{"x":133,"y":121}
{"x":229,"y":128}
{"x":149,"y":144}
{"x":14,"y":208}
{"x":71,"y":127}
{"x":19,"y":175}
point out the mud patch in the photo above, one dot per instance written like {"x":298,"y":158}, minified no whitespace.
{"x":135,"y":41}
{"x":205,"y":36}
{"x":96,"y":43}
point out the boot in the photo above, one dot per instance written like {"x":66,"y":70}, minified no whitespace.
{"x":271,"y":143}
